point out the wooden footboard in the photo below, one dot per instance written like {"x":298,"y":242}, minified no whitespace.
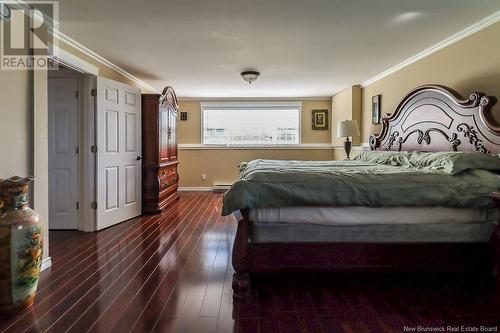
{"x":241,"y":257}
{"x":247,"y":257}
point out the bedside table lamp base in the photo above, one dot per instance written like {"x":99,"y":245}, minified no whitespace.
{"x":347,"y":148}
{"x":347,"y":128}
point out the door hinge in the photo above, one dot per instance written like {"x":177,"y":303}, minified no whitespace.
{"x":77,"y":205}
{"x":77,"y":94}
{"x":77,"y":150}
{"x":93,"y":205}
{"x":93,"y":92}
{"x":93,"y":149}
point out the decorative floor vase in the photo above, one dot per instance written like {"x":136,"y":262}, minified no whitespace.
{"x":20,"y":247}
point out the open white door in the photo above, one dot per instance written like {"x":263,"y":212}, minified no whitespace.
{"x":63,"y":153}
{"x":118,"y":126}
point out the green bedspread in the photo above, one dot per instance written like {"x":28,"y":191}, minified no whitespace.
{"x":275,"y":183}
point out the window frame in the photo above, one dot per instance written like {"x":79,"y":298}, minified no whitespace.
{"x":242,"y":105}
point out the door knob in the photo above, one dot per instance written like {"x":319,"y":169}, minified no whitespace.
{"x":138,"y":158}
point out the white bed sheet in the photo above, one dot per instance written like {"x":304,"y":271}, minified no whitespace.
{"x":371,"y":215}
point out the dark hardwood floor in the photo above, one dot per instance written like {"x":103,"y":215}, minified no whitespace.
{"x":172,"y":273}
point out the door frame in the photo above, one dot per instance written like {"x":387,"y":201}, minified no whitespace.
{"x":87,"y":163}
{"x":86,"y":136}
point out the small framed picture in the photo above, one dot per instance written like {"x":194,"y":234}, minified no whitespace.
{"x":376,"y":109}
{"x":320,"y":119}
{"x":184,"y":115}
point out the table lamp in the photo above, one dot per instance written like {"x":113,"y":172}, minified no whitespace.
{"x":346,"y":129}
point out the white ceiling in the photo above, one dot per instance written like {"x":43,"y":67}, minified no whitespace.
{"x":305,"y":48}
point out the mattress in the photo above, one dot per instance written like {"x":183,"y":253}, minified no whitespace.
{"x":358,"y":216}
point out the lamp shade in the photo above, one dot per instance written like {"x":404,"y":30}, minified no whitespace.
{"x":347,"y":128}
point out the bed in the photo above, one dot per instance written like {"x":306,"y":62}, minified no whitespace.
{"x":403,"y":206}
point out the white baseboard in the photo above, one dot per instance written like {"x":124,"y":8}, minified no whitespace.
{"x":46,"y":263}
{"x":221,"y":188}
{"x":195,"y":189}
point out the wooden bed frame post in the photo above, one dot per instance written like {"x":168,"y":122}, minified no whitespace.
{"x":241,"y":258}
{"x":496,"y":238}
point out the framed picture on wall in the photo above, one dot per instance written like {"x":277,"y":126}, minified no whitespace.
{"x":320,"y":119}
{"x":376,"y":109}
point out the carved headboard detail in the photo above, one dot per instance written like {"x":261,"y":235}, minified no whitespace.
{"x":437,"y":118}
{"x":168,"y":98}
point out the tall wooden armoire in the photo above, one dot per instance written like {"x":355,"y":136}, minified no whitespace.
{"x":159,"y":149}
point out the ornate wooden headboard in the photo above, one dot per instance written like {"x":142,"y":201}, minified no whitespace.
{"x":437,"y":118}
{"x":168,"y":98}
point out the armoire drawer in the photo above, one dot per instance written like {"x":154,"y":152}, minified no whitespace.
{"x":168,"y":181}
{"x":167,"y":192}
{"x":167,"y":172}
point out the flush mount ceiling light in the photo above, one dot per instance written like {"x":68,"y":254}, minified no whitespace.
{"x":250,"y":76}
{"x":4,"y":12}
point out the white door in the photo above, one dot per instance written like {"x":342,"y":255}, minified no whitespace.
{"x":118,"y":152}
{"x":63,"y":154}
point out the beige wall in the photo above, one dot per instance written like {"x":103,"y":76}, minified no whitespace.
{"x":346,"y":105}
{"x":472,"y":64}
{"x":316,"y":136}
{"x":341,"y":110}
{"x":16,"y":123}
{"x":220,"y":165}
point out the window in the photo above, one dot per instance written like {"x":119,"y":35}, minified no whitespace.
{"x":251,"y":124}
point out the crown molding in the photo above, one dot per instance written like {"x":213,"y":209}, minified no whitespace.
{"x":94,"y":55}
{"x":21,"y":4}
{"x":69,"y":60}
{"x":478,"y":26}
